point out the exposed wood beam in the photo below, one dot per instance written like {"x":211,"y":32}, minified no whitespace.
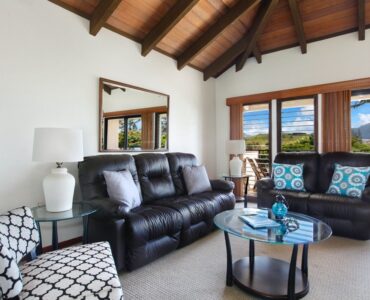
{"x":255,"y":31}
{"x":222,"y":62}
{"x":298,"y":25}
{"x":361,"y":20}
{"x":175,"y":14}
{"x":101,"y":14}
{"x":214,"y":31}
{"x":257,"y":54}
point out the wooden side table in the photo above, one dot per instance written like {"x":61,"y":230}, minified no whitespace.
{"x":79,"y":210}
{"x":245,"y":178}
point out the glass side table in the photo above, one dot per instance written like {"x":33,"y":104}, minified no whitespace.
{"x":245,"y":178}
{"x":79,"y":210}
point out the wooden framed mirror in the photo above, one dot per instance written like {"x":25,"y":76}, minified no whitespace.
{"x":132,"y":118}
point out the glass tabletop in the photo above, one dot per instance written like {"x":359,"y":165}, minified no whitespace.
{"x":78,"y":210}
{"x":310,"y":230}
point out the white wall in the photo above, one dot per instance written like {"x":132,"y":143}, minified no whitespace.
{"x":131,"y":99}
{"x":49,"y":70}
{"x":331,"y":60}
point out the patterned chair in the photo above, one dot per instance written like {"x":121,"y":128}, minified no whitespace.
{"x":81,"y":272}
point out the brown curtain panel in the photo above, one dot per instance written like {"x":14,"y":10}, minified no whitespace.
{"x":236,"y":133}
{"x":147,"y":134}
{"x":336,"y":122}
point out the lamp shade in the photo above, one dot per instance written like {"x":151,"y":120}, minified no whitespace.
{"x":57,"y":145}
{"x":236,"y":147}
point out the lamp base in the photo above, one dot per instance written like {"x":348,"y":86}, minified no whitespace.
{"x":236,"y":166}
{"x":59,"y":187}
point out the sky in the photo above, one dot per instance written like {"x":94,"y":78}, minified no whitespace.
{"x":360,"y":115}
{"x":295,"y":119}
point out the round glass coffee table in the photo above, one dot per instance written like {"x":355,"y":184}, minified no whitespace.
{"x":268,"y":277}
{"x":79,"y":210}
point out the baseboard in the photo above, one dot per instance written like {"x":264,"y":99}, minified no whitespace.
{"x":63,"y":244}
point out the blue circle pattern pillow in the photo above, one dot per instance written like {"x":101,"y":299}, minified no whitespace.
{"x":288,"y":177}
{"x":349,"y":181}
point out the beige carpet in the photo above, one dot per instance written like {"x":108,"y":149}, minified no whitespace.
{"x":339,"y":268}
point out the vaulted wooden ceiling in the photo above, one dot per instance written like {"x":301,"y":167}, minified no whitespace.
{"x":213,"y":35}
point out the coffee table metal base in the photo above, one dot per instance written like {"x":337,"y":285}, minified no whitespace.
{"x":268,"y":278}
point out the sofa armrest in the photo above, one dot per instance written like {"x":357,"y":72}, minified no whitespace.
{"x":222,"y":185}
{"x":366,"y":195}
{"x":265,"y":184}
{"x":107,"y":208}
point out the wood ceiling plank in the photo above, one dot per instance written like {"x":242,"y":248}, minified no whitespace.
{"x":214,"y":31}
{"x":176,"y":13}
{"x":361,"y":20}
{"x":298,"y":25}
{"x":255,"y":31}
{"x":101,"y":14}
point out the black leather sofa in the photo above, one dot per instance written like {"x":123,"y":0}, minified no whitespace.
{"x":167,"y":219}
{"x":348,"y":217}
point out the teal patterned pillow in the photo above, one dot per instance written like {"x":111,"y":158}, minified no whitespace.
{"x":348,"y":181}
{"x":288,"y":177}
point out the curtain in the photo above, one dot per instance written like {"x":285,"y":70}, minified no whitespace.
{"x":236,"y":133}
{"x":336,"y":122}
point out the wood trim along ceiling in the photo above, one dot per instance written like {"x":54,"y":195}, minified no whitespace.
{"x":301,"y":91}
{"x":212,"y":36}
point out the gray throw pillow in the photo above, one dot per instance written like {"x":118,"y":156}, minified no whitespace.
{"x":122,"y":188}
{"x":196,"y":180}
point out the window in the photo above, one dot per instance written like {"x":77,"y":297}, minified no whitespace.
{"x":297,"y":125}
{"x":124,"y":132}
{"x":360,"y":120}
{"x":256,"y":132}
{"x":161,"y":130}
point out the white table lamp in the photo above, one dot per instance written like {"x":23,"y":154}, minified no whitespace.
{"x":58,"y":145}
{"x":236,"y":147}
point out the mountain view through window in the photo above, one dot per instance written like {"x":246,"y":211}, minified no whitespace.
{"x":360,"y":120}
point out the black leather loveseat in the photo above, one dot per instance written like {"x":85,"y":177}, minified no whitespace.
{"x":349,"y":217}
{"x":167,"y":219}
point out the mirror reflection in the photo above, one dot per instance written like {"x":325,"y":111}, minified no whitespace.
{"x":132,"y":118}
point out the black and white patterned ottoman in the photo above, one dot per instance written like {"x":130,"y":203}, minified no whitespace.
{"x":82,"y":272}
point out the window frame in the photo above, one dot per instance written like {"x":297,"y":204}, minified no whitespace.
{"x":278,"y":121}
{"x":270,"y":126}
{"x":157,"y":134}
{"x":355,"y":92}
{"x":125,"y":130}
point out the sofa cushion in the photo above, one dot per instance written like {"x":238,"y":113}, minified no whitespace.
{"x":339,"y":207}
{"x":348,"y":181}
{"x":288,"y":177}
{"x":91,"y":176}
{"x":121,"y":187}
{"x":310,"y":163}
{"x":196,"y":179}
{"x":148,"y":222}
{"x":328,"y":161}
{"x":154,"y":176}
{"x":177,"y":162}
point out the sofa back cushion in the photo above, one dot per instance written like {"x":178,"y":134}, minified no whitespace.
{"x":154,"y":176}
{"x":328,"y":161}
{"x":310,"y":161}
{"x":177,"y":162}
{"x":91,"y":176}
